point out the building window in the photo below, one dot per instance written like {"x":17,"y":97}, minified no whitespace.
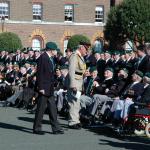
{"x":99,"y":14}
{"x":4,"y":11}
{"x":69,"y":13}
{"x":37,"y":11}
{"x":36,"y":44}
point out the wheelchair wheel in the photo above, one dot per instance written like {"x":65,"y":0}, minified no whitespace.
{"x":139,"y":132}
{"x":147,"y":130}
{"x":139,"y":126}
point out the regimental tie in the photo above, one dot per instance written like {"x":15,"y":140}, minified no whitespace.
{"x":53,"y":65}
{"x":89,"y":88}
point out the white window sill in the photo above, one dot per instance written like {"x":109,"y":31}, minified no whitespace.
{"x":37,"y":20}
{"x":99,"y":23}
{"x":68,"y":21}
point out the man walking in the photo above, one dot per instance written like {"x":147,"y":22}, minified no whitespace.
{"x":77,"y":68}
{"x":45,"y":87}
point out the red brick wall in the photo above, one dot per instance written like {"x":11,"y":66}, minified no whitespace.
{"x":53,"y":11}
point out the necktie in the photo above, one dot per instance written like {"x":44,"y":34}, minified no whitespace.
{"x":53,"y":66}
{"x":88,"y":90}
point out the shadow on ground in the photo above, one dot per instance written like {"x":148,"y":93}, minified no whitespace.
{"x":15,"y":127}
{"x":131,"y":142}
{"x":27,"y":119}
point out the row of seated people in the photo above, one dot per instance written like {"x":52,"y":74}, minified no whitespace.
{"x":18,"y":84}
{"x":115,"y":95}
{"x":119,"y":96}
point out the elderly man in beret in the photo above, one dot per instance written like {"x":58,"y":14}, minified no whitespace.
{"x":77,"y":67}
{"x":131,"y":93}
{"x":45,"y":88}
{"x":101,"y":90}
{"x":61,"y":93}
{"x":145,"y":98}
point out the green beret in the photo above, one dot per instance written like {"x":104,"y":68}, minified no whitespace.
{"x":128,"y":52}
{"x":92,"y":69}
{"x":139,"y":73}
{"x":116,"y":53}
{"x":33,"y":63}
{"x":51,"y":46}
{"x":110,"y":69}
{"x":147,"y":74}
{"x":125,"y":70}
{"x":108,"y":52}
{"x":64,"y":67}
{"x":28,"y":62}
{"x":29,"y":49}
{"x":122,"y":52}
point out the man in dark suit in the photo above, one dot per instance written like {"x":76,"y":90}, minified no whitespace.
{"x":45,"y":87}
{"x":102,"y":89}
{"x":117,"y":64}
{"x":139,"y":106}
{"x":143,"y":63}
{"x":108,"y":60}
{"x":100,"y":65}
{"x":145,"y":96}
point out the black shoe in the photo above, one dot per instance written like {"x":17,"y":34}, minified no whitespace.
{"x":38,"y":132}
{"x":22,"y":108}
{"x":58,"y":132}
{"x":75,"y":126}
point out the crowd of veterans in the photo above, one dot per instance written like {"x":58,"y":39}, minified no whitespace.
{"x":84,"y":80}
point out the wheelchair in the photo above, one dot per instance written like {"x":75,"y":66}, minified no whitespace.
{"x":137,"y":122}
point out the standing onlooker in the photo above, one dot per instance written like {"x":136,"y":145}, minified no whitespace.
{"x":45,"y":87}
{"x":143,"y":63}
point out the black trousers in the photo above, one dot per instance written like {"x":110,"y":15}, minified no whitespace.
{"x":44,"y":102}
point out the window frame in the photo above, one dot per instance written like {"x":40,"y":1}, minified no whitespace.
{"x":99,"y":16}
{"x":40,"y":39}
{"x":65,"y":15}
{"x":5,"y":16}
{"x":37,"y":14}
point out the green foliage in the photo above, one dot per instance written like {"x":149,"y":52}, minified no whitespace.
{"x":75,"y":40}
{"x":9,"y":42}
{"x":130,"y":19}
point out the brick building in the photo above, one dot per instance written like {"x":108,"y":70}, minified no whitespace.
{"x":39,"y":21}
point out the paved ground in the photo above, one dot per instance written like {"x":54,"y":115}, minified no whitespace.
{"x":16,"y":134}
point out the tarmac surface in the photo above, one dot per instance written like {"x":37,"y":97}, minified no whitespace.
{"x":16,"y":134}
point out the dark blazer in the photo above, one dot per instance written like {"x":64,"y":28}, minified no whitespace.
{"x":129,"y":65}
{"x":106,"y":84}
{"x":144,"y":65}
{"x":137,"y":89}
{"x":66,"y":82}
{"x":117,"y":88}
{"x":145,"y":97}
{"x":108,"y":63}
{"x":45,"y":75}
{"x":100,"y":65}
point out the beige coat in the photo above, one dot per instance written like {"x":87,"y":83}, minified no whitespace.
{"x":77,"y":67}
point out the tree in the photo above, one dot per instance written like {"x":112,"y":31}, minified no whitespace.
{"x":75,"y":40}
{"x":10,"y":42}
{"x":130,"y":19}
